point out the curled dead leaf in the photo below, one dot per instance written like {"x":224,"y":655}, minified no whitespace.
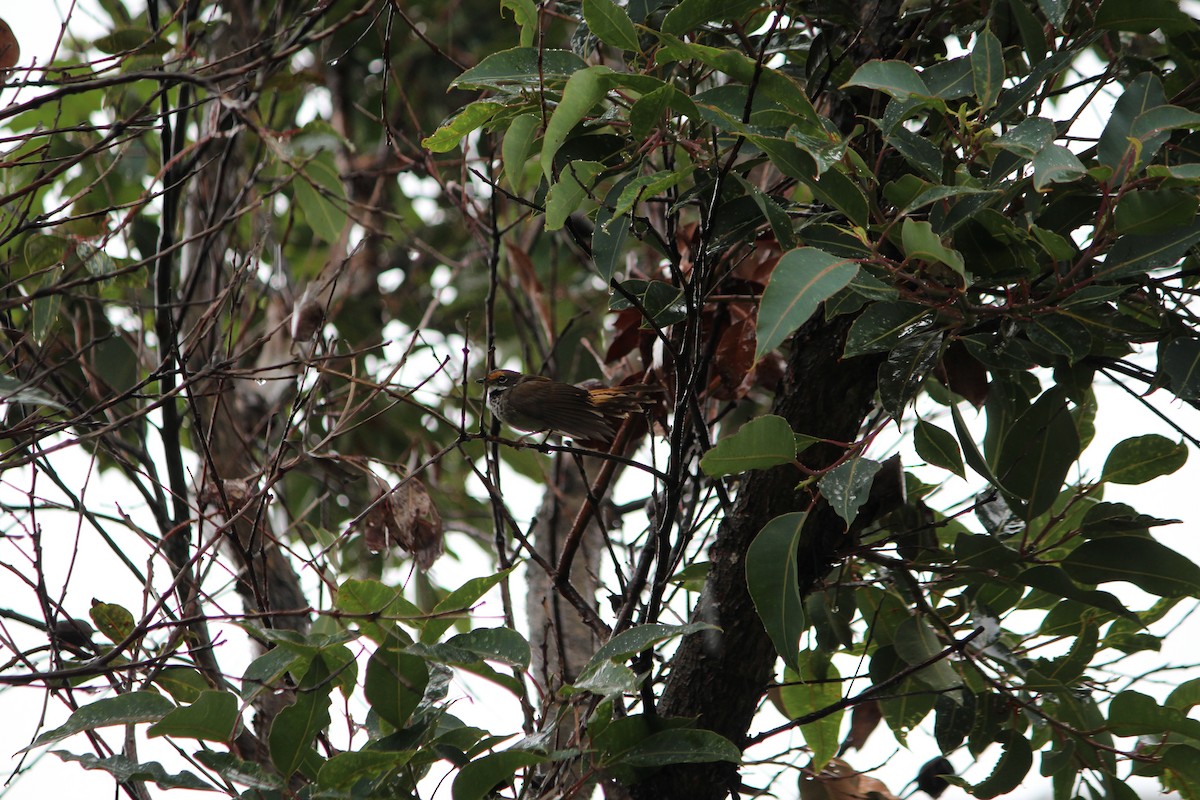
{"x":840,"y":781}
{"x":405,"y":516}
{"x":10,"y":51}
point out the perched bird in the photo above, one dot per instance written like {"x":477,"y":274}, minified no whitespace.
{"x":535,"y":403}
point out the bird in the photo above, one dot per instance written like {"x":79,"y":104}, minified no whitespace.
{"x":535,"y":404}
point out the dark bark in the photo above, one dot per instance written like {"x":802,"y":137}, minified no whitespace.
{"x":719,"y":678}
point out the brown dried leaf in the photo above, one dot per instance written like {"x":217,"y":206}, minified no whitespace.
{"x":840,"y":781}
{"x":863,"y":722}
{"x":964,"y":375}
{"x":10,"y":51}
{"x":405,"y":516}
{"x":527,"y":279}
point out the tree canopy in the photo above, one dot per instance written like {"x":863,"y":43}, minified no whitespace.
{"x":875,"y":258}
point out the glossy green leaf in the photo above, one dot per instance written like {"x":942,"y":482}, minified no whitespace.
{"x":346,"y":769}
{"x":1142,"y":458}
{"x":611,"y":24}
{"x":296,"y":726}
{"x":521,"y":66}
{"x":1139,"y":560}
{"x":761,"y":443}
{"x":801,"y":281}
{"x":460,"y":600}
{"x":1056,"y":164}
{"x":322,"y":197}
{"x":1055,"y":581}
{"x":938,"y":447}
{"x":955,"y":715}
{"x":921,"y":243}
{"x":1038,"y":451}
{"x":919,"y":152}
{"x":896,"y":78}
{"x":1135,"y":714}
{"x":814,"y":687}
{"x":679,"y":746}
{"x":1028,"y":137}
{"x":1179,"y":363}
{"x":629,"y":643}
{"x":495,"y":644}
{"x":691,"y":14}
{"x":1062,"y":335}
{"x":905,"y":369}
{"x":1154,"y":211}
{"x":451,"y":132}
{"x":516,"y":148}
{"x":1010,"y":770}
{"x":124,"y":769}
{"x":574,"y":184}
{"x":490,"y":772}
{"x":987,"y":67}
{"x":645,"y":187}
{"x":525,"y":14}
{"x":882,"y":325}
{"x":1132,"y":255}
{"x":395,"y":683}
{"x":124,"y":709}
{"x":213,"y":717}
{"x":584,"y":89}
{"x":772,"y":580}
{"x":916,"y":643}
{"x":847,"y":486}
{"x":1143,"y":16}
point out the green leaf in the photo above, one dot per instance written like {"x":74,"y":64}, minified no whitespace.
{"x":583,"y":91}
{"x":295,"y":727}
{"x":490,"y":772}
{"x":882,"y":325}
{"x":521,"y":66}
{"x":1179,"y":363}
{"x":526,"y":16}
{"x":915,"y":643}
{"x":495,"y":644}
{"x":573,"y":186}
{"x":1154,"y":211}
{"x":772,"y":579}
{"x":938,"y":447}
{"x":1135,"y":714}
{"x":761,"y":443}
{"x":1131,"y":255}
{"x":246,"y":773}
{"x":124,"y":769}
{"x":112,"y":620}
{"x":1038,"y":451}
{"x":1061,"y":334}
{"x":125,"y":40}
{"x":811,"y":688}
{"x":896,"y":78}
{"x":395,"y":684}
{"x":971,"y":453}
{"x":184,"y":684}
{"x":124,"y":709}
{"x":346,"y":769}
{"x":679,"y":746}
{"x":640,"y":638}
{"x":517,"y":145}
{"x":691,"y":14}
{"x":1028,"y":138}
{"x":920,"y":242}
{"x":212,"y":717}
{"x":1143,"y":16}
{"x":609,"y":236}
{"x":987,"y":67}
{"x":1010,"y":770}
{"x":1139,"y":459}
{"x":647,"y":186}
{"x":611,"y":24}
{"x":451,"y":132}
{"x":460,"y":600}
{"x":801,"y":281}
{"x":955,"y":716}
{"x":847,"y":486}
{"x":1139,"y":560}
{"x":1055,"y":581}
{"x":321,"y":196}
{"x":1056,"y":164}
{"x":919,"y":152}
